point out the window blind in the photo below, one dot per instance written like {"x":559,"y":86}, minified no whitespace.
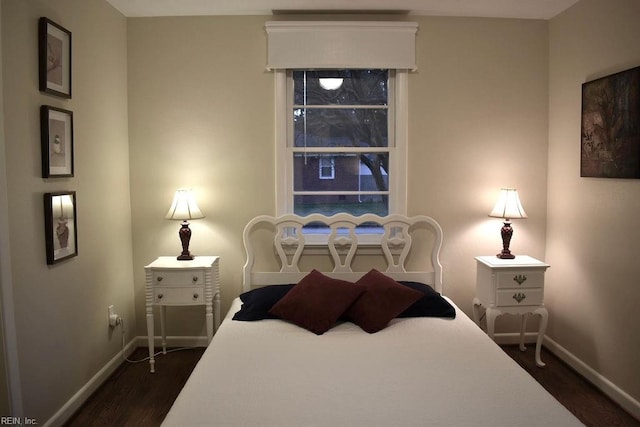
{"x":341,"y":45}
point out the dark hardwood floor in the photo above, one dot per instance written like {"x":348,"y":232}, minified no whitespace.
{"x":578,"y":395}
{"x":134,"y":397}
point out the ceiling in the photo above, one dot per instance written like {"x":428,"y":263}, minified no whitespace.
{"x":525,"y":9}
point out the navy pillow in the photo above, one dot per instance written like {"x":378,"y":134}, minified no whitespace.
{"x":430,"y":305}
{"x":256,"y":303}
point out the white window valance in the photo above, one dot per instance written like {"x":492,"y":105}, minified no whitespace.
{"x":341,"y":45}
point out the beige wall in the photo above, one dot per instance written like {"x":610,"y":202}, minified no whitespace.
{"x":63,"y":336}
{"x":6,"y":290}
{"x":478,"y":122}
{"x":593,"y":241}
{"x":201,"y":115}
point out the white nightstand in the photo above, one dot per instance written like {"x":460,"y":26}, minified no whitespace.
{"x":514,"y":286}
{"x":173,"y":282}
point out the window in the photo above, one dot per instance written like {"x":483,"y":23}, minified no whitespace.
{"x":340,"y":119}
{"x":327,"y":167}
{"x":341,"y":138}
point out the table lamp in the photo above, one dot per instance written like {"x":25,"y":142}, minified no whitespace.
{"x":507,"y":207}
{"x":184,"y":208}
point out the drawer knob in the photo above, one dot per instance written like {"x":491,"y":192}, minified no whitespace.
{"x":195,"y":295}
{"x":159,"y":278}
{"x":520,"y":279}
{"x":195,"y":279}
{"x":519,"y":297}
{"x":160,"y":296}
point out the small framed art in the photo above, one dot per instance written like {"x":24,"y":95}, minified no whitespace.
{"x":56,"y":135}
{"x":54,"y":58}
{"x":60,"y":226}
{"x":610,"y":129}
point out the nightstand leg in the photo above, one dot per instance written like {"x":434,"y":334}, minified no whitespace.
{"x":216,"y":310}
{"x":523,"y":328}
{"x":544,"y":318}
{"x":209,"y":321}
{"x":476,"y":311}
{"x":152,"y":361}
{"x":491,"y":313}
{"x":163,"y":313}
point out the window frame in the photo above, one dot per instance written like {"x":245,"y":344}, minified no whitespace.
{"x":397,"y":149}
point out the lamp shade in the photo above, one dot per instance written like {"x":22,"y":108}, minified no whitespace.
{"x":62,"y":206}
{"x":508,"y":205}
{"x":184,"y":206}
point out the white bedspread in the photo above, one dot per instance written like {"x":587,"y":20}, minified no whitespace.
{"x":416,"y":372}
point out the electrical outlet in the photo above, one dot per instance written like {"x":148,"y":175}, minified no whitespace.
{"x":114,"y":319}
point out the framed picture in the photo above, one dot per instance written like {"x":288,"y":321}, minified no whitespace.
{"x":610,"y":131}
{"x":60,"y":226}
{"x":54,"y":58}
{"x":56,"y":137}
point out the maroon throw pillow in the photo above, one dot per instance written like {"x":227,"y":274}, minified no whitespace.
{"x":384,"y":300}
{"x":317,"y":301}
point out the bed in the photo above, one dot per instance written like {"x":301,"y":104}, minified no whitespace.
{"x":271,"y":366}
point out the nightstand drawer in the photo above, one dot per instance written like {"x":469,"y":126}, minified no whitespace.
{"x":179,"y":295}
{"x":521,"y":279}
{"x":180,"y":278}
{"x":518,"y":297}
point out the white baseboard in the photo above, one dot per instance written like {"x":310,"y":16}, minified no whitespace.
{"x":81,"y":396}
{"x":618,"y":395}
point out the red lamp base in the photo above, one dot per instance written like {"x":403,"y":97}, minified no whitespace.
{"x":185,"y":237}
{"x":505,"y":255}
{"x":506,"y":231}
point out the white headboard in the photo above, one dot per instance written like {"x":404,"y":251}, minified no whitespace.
{"x":341,"y":244}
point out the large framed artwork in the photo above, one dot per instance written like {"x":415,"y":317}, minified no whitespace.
{"x":610,"y":131}
{"x":56,"y":139}
{"x":54,"y":58}
{"x":60,"y":226}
